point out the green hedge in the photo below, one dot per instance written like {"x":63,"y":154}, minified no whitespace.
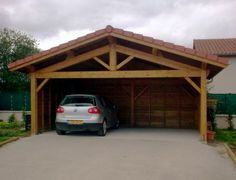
{"x":226,"y":103}
{"x":15,"y":101}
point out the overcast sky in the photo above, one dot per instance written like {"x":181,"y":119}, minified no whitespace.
{"x":52,"y":22}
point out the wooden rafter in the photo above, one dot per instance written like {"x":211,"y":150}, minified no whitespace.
{"x":193,"y":84}
{"x":163,"y":48}
{"x":120,"y":74}
{"x":75,"y":60}
{"x":101,"y":62}
{"x":64,"y":50}
{"x":42,"y":84}
{"x":124,"y":62}
{"x":155,"y":59}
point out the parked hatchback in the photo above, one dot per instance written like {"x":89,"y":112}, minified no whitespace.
{"x":82,"y":112}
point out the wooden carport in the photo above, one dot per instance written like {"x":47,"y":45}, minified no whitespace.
{"x":163,"y":82}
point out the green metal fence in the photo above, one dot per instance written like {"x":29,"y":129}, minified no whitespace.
{"x":15,"y":101}
{"x":226,"y":103}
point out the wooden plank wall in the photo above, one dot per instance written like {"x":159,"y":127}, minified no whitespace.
{"x":158,"y":103}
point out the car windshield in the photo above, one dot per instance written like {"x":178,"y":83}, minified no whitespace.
{"x":78,"y":101}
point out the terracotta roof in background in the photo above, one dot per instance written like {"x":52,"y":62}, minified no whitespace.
{"x":221,"y":47}
{"x":111,"y":30}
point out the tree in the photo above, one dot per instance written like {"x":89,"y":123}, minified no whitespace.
{"x":14,"y":45}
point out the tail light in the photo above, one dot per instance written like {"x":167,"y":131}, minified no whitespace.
{"x":60,"y":109}
{"x":94,"y":110}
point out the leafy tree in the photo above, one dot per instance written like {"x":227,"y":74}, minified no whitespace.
{"x":14,"y":45}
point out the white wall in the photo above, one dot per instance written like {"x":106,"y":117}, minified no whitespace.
{"x":221,"y":121}
{"x":4,"y":115}
{"x":225,"y":81}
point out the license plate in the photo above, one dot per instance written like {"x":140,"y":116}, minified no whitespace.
{"x":75,"y":121}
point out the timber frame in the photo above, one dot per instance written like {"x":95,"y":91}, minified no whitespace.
{"x":111,"y":66}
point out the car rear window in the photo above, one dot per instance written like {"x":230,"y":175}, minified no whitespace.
{"x":78,"y":101}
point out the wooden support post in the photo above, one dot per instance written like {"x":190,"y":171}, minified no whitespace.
{"x":132,"y":120}
{"x":112,"y":58}
{"x":203,"y":106}
{"x":42,"y":106}
{"x":34,"y":104}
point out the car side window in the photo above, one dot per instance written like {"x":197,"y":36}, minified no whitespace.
{"x":102,"y":102}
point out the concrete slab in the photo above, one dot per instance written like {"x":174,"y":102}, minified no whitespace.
{"x":123,"y":154}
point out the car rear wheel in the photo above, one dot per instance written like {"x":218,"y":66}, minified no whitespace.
{"x":103,"y":130}
{"x":60,"y":132}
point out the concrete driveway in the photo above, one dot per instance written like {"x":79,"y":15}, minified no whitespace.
{"x":123,"y":154}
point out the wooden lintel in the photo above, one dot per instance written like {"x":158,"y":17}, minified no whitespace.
{"x":75,"y":60}
{"x":193,"y":84}
{"x":124,"y":62}
{"x":42,"y":84}
{"x":155,"y":59}
{"x":119,"y":74}
{"x":101,"y":62}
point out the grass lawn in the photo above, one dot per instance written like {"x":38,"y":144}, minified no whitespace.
{"x":228,"y":136}
{"x":14,"y":129}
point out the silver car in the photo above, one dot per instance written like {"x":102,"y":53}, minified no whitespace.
{"x":82,"y":112}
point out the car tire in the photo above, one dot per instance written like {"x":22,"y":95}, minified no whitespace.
{"x":103,"y":130}
{"x":60,"y":132}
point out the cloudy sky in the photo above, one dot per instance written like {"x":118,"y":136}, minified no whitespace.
{"x":52,"y":22}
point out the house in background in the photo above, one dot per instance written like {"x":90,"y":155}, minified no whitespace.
{"x":225,"y":81}
{"x":223,"y":85}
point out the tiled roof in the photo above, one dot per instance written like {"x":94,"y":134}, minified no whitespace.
{"x":111,"y":30}
{"x":221,"y":47}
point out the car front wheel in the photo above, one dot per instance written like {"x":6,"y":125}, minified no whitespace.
{"x":60,"y":132}
{"x":103,"y":130}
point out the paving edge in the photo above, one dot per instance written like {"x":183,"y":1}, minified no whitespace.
{"x":8,"y":141}
{"x":230,"y":153}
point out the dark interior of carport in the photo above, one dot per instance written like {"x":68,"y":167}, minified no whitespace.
{"x":162,"y":103}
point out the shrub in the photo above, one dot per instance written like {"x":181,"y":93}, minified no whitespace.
{"x":230,"y":122}
{"x":211,"y":114}
{"x":12,"y":118}
{"x":13,"y":125}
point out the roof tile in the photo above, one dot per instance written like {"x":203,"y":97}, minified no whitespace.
{"x":220,"y":47}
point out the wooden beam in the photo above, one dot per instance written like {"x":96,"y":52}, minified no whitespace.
{"x":163,"y":48}
{"x":42,"y":84}
{"x":113,"y":57}
{"x":64,"y":50}
{"x":155,"y":59}
{"x":34,"y":105}
{"x":193,"y":84}
{"x":101,"y":62}
{"x":75,"y":60}
{"x":124,"y":62}
{"x":203,"y":106}
{"x":119,"y":74}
